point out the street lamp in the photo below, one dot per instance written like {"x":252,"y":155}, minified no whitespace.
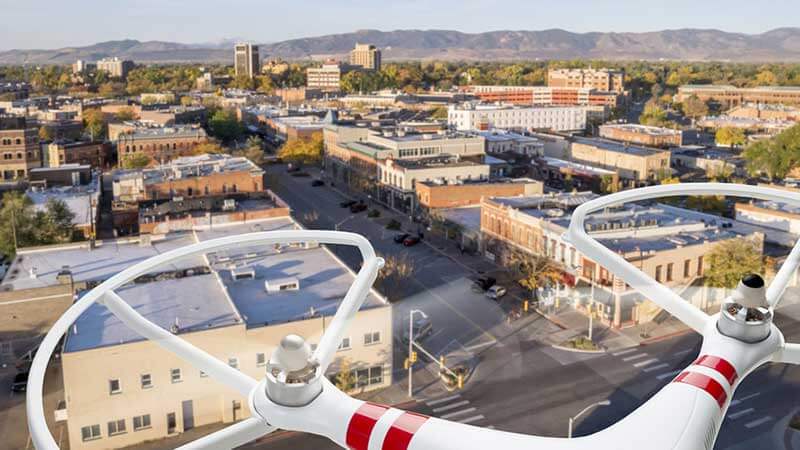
{"x":411,"y":345}
{"x":584,"y":411}
{"x":336,"y":227}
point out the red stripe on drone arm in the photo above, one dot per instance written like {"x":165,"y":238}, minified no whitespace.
{"x":399,"y":435}
{"x":361,"y":425}
{"x":722,"y":366}
{"x":706,"y":383}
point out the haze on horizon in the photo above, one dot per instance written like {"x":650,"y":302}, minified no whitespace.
{"x":49,"y":24}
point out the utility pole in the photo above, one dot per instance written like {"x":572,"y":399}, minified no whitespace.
{"x":411,"y":359}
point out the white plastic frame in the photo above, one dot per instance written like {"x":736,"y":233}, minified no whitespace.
{"x":660,"y":294}
{"x":104,"y":293}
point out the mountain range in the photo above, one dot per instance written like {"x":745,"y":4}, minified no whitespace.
{"x":779,"y":45}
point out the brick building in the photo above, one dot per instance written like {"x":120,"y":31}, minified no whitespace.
{"x":19,"y":146}
{"x":642,"y":135}
{"x":635,"y":164}
{"x":160,"y":144}
{"x":95,"y":154}
{"x":434,"y":195}
{"x":730,"y":96}
{"x":601,"y":79}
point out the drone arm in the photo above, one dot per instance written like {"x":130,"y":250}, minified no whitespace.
{"x":782,"y":278}
{"x":789,"y":354}
{"x":231,"y":437}
{"x":198,"y":358}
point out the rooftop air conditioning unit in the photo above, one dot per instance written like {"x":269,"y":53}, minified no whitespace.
{"x":243,"y":273}
{"x":281,"y":284}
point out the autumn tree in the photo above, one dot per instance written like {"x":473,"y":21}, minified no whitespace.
{"x":730,"y":136}
{"x":775,"y":157}
{"x":94,"y":123}
{"x":302,"y":151}
{"x":126,"y":113}
{"x":395,"y":271}
{"x":345,"y":379}
{"x":135,"y":161}
{"x":694,"y":107}
{"x":729,"y":261}
{"x":208,"y":147}
{"x":533,"y":271}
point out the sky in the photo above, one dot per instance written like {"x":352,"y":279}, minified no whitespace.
{"x":59,"y":23}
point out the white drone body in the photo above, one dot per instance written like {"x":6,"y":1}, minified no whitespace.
{"x":295,"y":395}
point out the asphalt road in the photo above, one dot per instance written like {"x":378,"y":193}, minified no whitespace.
{"x":524,"y":386}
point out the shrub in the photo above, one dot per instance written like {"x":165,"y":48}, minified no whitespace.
{"x":393,"y":225}
{"x":374,"y":213}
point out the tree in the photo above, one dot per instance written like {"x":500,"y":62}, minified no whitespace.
{"x":345,"y":380}
{"x":22,"y":226}
{"x":94,"y":123}
{"x":111,"y":89}
{"x":208,"y":147}
{"x":395,"y":270}
{"x":302,"y":151}
{"x":45,"y":133}
{"x":777,"y":156}
{"x":653,"y":115}
{"x":729,"y":261}
{"x":225,"y":126}
{"x":695,"y":108}
{"x":534,"y":272}
{"x":439,"y":113}
{"x":730,"y":136}
{"x":135,"y":161}
{"x":126,"y":113}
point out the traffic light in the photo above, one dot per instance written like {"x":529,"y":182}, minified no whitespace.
{"x":413,"y":357}
{"x":406,"y":364}
{"x":525,"y":306}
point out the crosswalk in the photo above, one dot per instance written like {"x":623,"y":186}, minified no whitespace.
{"x":456,"y":409}
{"x":743,"y":413}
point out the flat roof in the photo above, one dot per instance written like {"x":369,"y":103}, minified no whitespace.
{"x":618,"y":147}
{"x":467,"y":216}
{"x":77,"y":198}
{"x":641,"y":129}
{"x":577,"y":167}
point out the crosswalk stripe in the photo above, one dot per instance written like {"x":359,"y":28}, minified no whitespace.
{"x":457,"y":413}
{"x":471,"y":419}
{"x":631,"y":358}
{"x":625,"y":352}
{"x":682,"y":352}
{"x":758,"y":422}
{"x":741,"y":413}
{"x":646,"y":362}
{"x":668,"y":374}
{"x":439,"y":401}
{"x":451,"y":406}
{"x":652,"y":368}
{"x":745,"y":398}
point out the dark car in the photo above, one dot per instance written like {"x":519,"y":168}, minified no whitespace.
{"x":358,"y":207}
{"x":411,"y":241}
{"x":483,"y":284}
{"x":401,"y":237}
{"x":20,"y":383}
{"x":347,"y":203}
{"x":317,"y":183}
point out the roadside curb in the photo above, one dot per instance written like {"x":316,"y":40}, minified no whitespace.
{"x":577,"y":350}
{"x":664,"y":337}
{"x":552,"y":319}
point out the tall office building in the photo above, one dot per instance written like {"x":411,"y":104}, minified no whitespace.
{"x":366,"y":56}
{"x":245,"y":59}
{"x":115,"y":67}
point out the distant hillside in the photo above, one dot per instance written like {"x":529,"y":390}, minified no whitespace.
{"x":686,"y":44}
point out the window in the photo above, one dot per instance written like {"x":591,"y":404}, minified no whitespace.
{"x":372,"y":338}
{"x":699,"y":266}
{"x":686,"y":268}
{"x":114,"y":387}
{"x":141,"y":422}
{"x":669,"y":271}
{"x":90,"y":433}
{"x":116,"y":427}
{"x":376,"y":375}
{"x":175,"y":375}
{"x":233,"y":362}
{"x":658,"y":273}
{"x":203,"y":374}
{"x":260,"y":359}
{"x":146,"y":381}
{"x":345,"y":344}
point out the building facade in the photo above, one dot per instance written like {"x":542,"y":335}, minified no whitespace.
{"x":115,"y":67}
{"x":436,"y":195}
{"x":639,"y":165}
{"x":19,"y":146}
{"x":730,"y":96}
{"x":160,"y":144}
{"x":245,"y":60}
{"x":486,"y":117}
{"x":94,"y":154}
{"x":642,"y":135}
{"x":366,"y":56}
{"x":600,"y":79}
{"x":325,"y":78}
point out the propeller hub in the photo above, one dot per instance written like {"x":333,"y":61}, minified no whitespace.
{"x":292,"y":375}
{"x":745,"y":314}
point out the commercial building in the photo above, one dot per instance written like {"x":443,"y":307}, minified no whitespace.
{"x":325,"y":78}
{"x":296,"y":95}
{"x":635,"y":164}
{"x":209,"y":82}
{"x":665,"y":242}
{"x":470,"y":116}
{"x":94,"y":154}
{"x":777,"y":112}
{"x":160,"y":144}
{"x":600,"y":79}
{"x":19,"y":146}
{"x":118,"y":394}
{"x":80,"y":67}
{"x":115,"y":67}
{"x":501,"y":141}
{"x":642,"y":135}
{"x":245,"y":60}
{"x":570,"y":175}
{"x":751,"y":125}
{"x":366,"y":56}
{"x":82,"y":200}
{"x":730,"y":96}
{"x":437,"y":194}
{"x":63,"y":175}
{"x":543,"y":95}
{"x":714,"y":161}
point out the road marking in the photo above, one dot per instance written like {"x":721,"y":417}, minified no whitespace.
{"x":741,"y":413}
{"x":451,"y":406}
{"x":457,"y":413}
{"x":480,"y":345}
{"x":682,"y":352}
{"x":646,"y":363}
{"x":745,"y":398}
{"x":653,"y":368}
{"x":439,"y":401}
{"x":631,"y":358}
{"x":758,"y":422}
{"x":471,"y":419}
{"x":625,"y":352}
{"x":669,"y":374}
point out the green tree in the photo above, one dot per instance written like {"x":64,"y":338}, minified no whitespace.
{"x":695,"y":108}
{"x":730,"y":136}
{"x":729,"y":261}
{"x":225,"y":126}
{"x":653,"y":115}
{"x":135,"y":161}
{"x":22,"y":226}
{"x":126,"y":113}
{"x":208,"y":147}
{"x":777,"y":156}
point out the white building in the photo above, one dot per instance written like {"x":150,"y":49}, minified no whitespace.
{"x":469,"y":116}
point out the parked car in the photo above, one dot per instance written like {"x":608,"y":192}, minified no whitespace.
{"x":411,"y":241}
{"x":399,"y":238}
{"x":20,"y":383}
{"x":347,"y":203}
{"x":495,"y":292}
{"x":358,"y":207}
{"x":422,"y":329}
{"x":317,"y":183}
{"x":483,"y":284}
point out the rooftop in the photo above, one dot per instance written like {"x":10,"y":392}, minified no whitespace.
{"x":642,"y":129}
{"x":618,"y":147}
{"x":433,"y":162}
{"x":142,"y":130}
{"x":79,"y":199}
{"x":578,"y":168}
{"x":191,"y":167}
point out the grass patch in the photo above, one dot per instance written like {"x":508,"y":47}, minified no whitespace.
{"x":581,"y":343}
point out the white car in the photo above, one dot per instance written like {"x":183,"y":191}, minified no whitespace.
{"x":495,"y":292}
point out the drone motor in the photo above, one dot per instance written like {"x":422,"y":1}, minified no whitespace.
{"x":745,"y":314}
